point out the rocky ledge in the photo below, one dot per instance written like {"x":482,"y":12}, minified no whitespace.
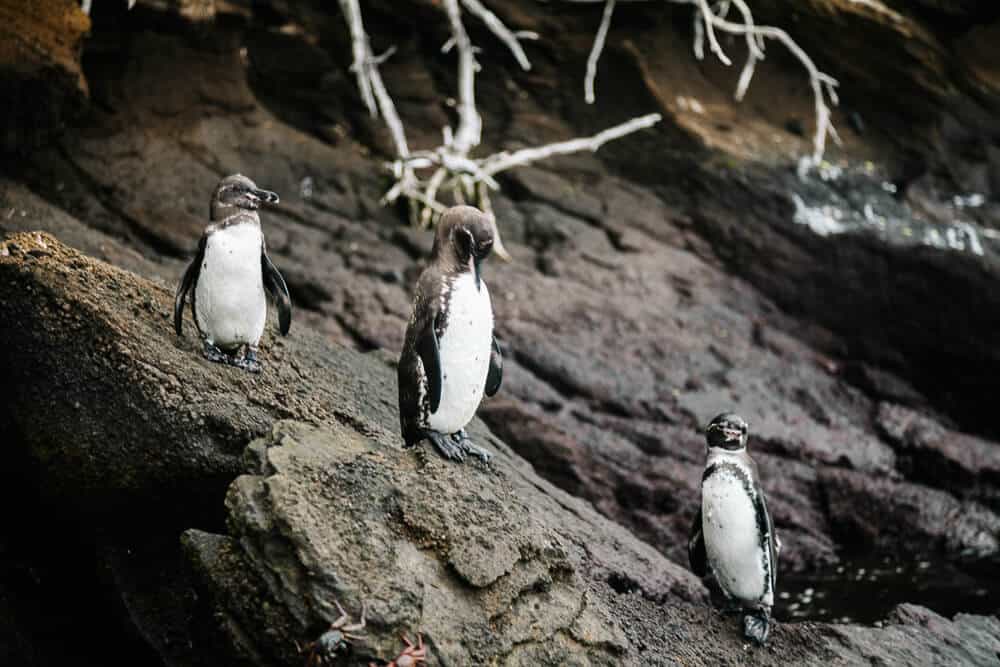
{"x":264,"y":500}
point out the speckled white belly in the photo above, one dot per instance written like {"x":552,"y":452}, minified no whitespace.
{"x":464,"y":348}
{"x":732,"y":541}
{"x":230,"y":303}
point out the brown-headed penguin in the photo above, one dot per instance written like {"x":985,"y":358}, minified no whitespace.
{"x":229,"y":276}
{"x":450,"y":356}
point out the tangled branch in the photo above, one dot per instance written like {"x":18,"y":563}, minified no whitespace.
{"x":86,"y":4}
{"x":706,"y":22}
{"x":421,"y":176}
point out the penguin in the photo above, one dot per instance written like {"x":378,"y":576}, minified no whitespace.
{"x":732,"y":533}
{"x":229,"y":275}
{"x":450,"y":356}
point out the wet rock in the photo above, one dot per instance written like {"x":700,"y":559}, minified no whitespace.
{"x":920,"y":633}
{"x":967,"y":466}
{"x":867,"y":512}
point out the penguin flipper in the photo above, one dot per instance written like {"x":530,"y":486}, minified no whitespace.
{"x":764,"y":520}
{"x":495,"y":375}
{"x":696,"y":548}
{"x":189,"y":280}
{"x":275,"y":284}
{"x":427,"y":349}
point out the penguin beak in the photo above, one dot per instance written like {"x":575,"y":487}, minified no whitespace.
{"x":479,"y":253}
{"x":265,"y":196}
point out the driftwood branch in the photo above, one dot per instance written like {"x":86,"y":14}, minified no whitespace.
{"x":707,"y":22}
{"x":451,"y":166}
{"x":361,"y":51}
{"x":85,"y":5}
{"x":503,"y":161}
{"x":511,"y":39}
{"x":595,"y":51}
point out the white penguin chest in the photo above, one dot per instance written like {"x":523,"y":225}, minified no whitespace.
{"x":464,"y":349}
{"x":736,"y":551}
{"x":230,"y":304}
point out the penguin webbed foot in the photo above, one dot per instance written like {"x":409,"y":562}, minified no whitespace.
{"x":245,"y":360}
{"x":214,"y":354}
{"x":756,"y":625}
{"x":456,"y":446}
{"x":462,"y":439}
{"x":446,"y":446}
{"x":248,"y":361}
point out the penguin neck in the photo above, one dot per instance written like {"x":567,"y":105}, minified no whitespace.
{"x":449,"y":265}
{"x":221,"y":220}
{"x":720,"y":455}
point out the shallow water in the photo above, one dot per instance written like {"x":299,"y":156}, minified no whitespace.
{"x":866,"y":590}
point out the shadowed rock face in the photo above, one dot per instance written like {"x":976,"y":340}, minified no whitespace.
{"x":657,"y":283}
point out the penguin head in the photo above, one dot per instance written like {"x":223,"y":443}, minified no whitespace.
{"x":727,"y":431}
{"x":464,"y":235}
{"x":238,"y":192}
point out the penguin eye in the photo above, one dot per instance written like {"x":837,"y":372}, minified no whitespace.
{"x":466,"y":241}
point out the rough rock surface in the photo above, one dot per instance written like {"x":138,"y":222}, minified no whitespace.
{"x":673,"y":274}
{"x":41,"y":77}
{"x":490,"y":563}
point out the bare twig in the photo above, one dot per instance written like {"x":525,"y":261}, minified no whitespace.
{"x":470,"y":125}
{"x":503,"y":161}
{"x":362,"y":52}
{"x":713,"y":43}
{"x":822,"y":84}
{"x":452,"y":167}
{"x":86,"y":4}
{"x":511,"y":39}
{"x":706,"y":22}
{"x":595,"y":51}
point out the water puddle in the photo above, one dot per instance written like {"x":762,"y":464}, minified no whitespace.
{"x":866,"y":590}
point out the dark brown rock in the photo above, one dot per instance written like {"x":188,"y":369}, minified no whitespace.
{"x":967,"y":466}
{"x":488,"y":562}
{"x":657,"y":282}
{"x":867,"y":512}
{"x":41,"y":79}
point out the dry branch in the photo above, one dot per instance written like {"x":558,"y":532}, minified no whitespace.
{"x":706,"y":22}
{"x":450,"y":165}
{"x":595,"y":52}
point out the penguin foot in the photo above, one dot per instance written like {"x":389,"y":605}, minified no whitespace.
{"x":214,"y":354}
{"x":463,"y":441}
{"x":446,"y":446}
{"x":756,"y":626}
{"x":248,"y":361}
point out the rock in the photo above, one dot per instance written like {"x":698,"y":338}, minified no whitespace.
{"x":967,"y":466}
{"x":41,"y":78}
{"x":657,"y":282}
{"x":209,"y":420}
{"x":918,"y":634}
{"x":490,"y":563}
{"x":868,"y":512}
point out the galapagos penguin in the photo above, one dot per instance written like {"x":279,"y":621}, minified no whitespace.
{"x":450,"y":356}
{"x":732,"y":532}
{"x":229,"y":275}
